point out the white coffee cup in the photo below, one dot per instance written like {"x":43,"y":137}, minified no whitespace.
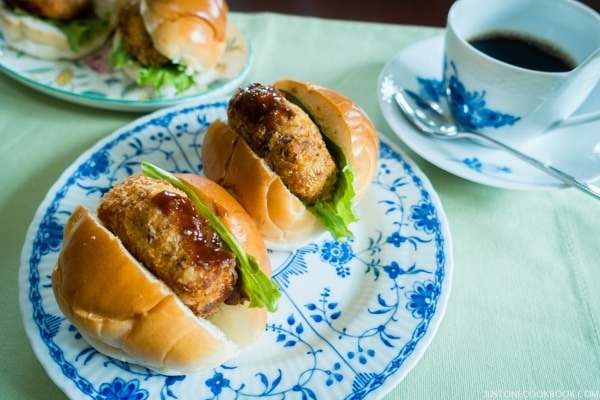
{"x":514,"y":102}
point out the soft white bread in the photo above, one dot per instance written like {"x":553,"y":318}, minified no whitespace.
{"x":125,"y":312}
{"x":281,"y":217}
{"x":40,"y":39}
{"x":190,"y":33}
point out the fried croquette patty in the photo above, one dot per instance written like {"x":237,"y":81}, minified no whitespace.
{"x":135,"y":37}
{"x":57,"y":9}
{"x":160,"y":227}
{"x":285,"y":137}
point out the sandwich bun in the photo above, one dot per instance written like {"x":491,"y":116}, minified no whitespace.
{"x":190,"y":33}
{"x":125,"y":312}
{"x":171,"y":45}
{"x":284,"y":220}
{"x":39,"y":38}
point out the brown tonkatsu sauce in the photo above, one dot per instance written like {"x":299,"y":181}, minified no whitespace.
{"x":201,"y":242}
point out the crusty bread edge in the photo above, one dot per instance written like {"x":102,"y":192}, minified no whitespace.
{"x":126,"y":313}
{"x":193,"y":34}
{"x":284,"y":222}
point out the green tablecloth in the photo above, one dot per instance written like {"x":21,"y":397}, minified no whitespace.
{"x":524,"y":313}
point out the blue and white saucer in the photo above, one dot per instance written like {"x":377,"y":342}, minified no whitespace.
{"x":574,"y":149}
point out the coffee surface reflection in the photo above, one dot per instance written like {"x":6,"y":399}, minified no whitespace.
{"x":524,"y":51}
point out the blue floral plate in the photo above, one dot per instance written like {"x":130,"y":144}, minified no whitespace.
{"x":93,"y":82}
{"x":354,"y":318}
{"x":575,"y":149}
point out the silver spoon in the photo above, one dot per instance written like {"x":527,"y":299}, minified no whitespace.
{"x":430,"y":119}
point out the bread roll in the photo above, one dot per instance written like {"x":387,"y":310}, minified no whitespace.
{"x":281,"y":217}
{"x":190,"y":33}
{"x":283,"y":220}
{"x":126,"y":313}
{"x":40,"y":39}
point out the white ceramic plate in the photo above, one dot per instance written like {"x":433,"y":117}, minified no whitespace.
{"x":93,"y":82}
{"x":354,"y":317}
{"x":576,"y":149}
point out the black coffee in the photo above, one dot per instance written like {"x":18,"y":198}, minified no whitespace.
{"x":523,"y":51}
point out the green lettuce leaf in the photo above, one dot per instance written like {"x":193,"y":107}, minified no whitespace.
{"x":260,"y":289}
{"x":120,"y":57}
{"x":78,"y":31}
{"x":336,"y":213}
{"x":172,"y":75}
{"x":81,"y":31}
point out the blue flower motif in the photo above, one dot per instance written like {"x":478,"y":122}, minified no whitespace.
{"x":95,"y":166}
{"x":469,"y":108}
{"x":393,"y":270}
{"x":173,"y":379}
{"x":474,"y":163}
{"x":217,"y":383}
{"x":160,"y":137}
{"x":50,"y":236}
{"x":336,"y":253}
{"x":334,"y":376}
{"x":422,"y":299}
{"x":121,"y":390}
{"x":432,"y":89}
{"x":398,"y":240}
{"x":424,"y":216}
{"x":342,"y":271}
